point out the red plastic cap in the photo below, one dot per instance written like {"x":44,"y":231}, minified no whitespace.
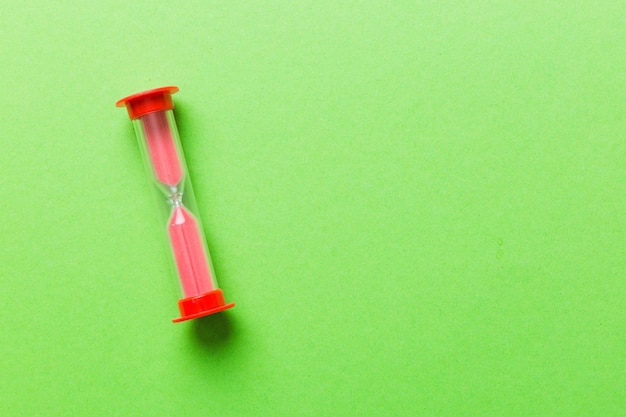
{"x":149,"y":101}
{"x":202,"y":305}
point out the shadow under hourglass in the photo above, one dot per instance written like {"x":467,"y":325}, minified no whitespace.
{"x":213,"y":332}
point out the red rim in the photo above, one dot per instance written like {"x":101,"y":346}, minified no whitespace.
{"x":204,"y":313}
{"x":202,"y":305}
{"x":140,"y":104}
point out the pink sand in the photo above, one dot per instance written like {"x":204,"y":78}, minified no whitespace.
{"x":191,"y":260}
{"x":162,"y":148}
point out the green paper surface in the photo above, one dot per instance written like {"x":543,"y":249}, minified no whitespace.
{"x":418,"y":208}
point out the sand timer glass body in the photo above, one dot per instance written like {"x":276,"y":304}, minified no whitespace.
{"x":155,"y":127}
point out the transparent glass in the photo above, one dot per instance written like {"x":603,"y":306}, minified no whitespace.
{"x":165,"y":165}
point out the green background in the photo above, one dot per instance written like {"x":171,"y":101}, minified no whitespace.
{"x":417,"y":206}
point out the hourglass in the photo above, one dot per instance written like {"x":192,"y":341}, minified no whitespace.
{"x":155,"y":127}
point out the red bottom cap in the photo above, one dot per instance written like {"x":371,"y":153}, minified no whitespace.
{"x":202,"y":305}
